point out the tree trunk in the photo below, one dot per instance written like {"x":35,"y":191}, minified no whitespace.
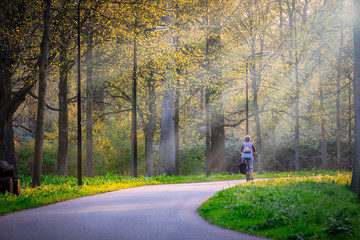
{"x":338,"y":94}
{"x":208,"y":132}
{"x":297,"y":118}
{"x":257,"y":118}
{"x":256,"y":84}
{"x":39,"y":135}
{"x":207,"y":104}
{"x":149,"y":163}
{"x":167,"y":155}
{"x":355,"y":181}
{"x":216,"y":112}
{"x":150,"y":126}
{"x":63,"y":108}
{"x":9,"y":99}
{"x":218,"y":155}
{"x":338,"y":127}
{"x":167,"y":137}
{"x":323,"y":128}
{"x":297,"y":92}
{"x":7,"y":152}
{"x":89,"y":172}
{"x":350,"y":107}
{"x":134,"y":114}
{"x":7,"y":149}
{"x":177,"y":120}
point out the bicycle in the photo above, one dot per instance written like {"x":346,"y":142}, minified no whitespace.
{"x":244,"y":169}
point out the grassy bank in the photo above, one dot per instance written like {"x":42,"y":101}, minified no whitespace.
{"x":60,"y":188}
{"x":315,"y":207}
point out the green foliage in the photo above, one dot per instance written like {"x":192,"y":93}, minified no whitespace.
{"x":112,"y":152}
{"x":25,"y":158}
{"x":193,"y":160}
{"x":317,"y":207}
{"x":340,"y":223}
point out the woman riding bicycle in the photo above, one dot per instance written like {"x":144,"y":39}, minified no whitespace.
{"x":247,"y":152}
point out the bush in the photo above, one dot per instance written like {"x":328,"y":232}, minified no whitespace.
{"x":25,"y":158}
{"x":193,"y":160}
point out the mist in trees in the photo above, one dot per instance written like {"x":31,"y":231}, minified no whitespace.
{"x":191,"y":84}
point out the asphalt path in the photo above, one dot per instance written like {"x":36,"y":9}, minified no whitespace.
{"x":159,"y":212}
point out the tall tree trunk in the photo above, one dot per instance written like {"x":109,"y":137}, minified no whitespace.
{"x":134,"y":113}
{"x":297,"y":114}
{"x":167,"y":137}
{"x":177,"y":108}
{"x":63,"y":107}
{"x":7,"y":149}
{"x":350,"y":107}
{"x":167,"y":155}
{"x":150,"y":125}
{"x":89,"y":172}
{"x":218,"y":155}
{"x":257,"y":124}
{"x":208,"y":132}
{"x":207,"y":101}
{"x":256,"y":84}
{"x":6,"y":130}
{"x":355,"y":181}
{"x":10,"y":97}
{"x":217,"y":129}
{"x":323,"y":128}
{"x":177,"y":121}
{"x":39,"y":134}
{"x":338,"y":94}
{"x":149,"y":163}
{"x":292,"y":26}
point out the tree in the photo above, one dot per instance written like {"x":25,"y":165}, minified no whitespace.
{"x":15,"y":15}
{"x":214,"y":116}
{"x":355,"y":181}
{"x":150,"y":122}
{"x":167,"y":154}
{"x":63,"y":105}
{"x":89,"y":97}
{"x":39,"y":135}
{"x":64,"y":67}
{"x":197,"y":69}
{"x":324,"y":154}
{"x":338,"y":91}
{"x":167,"y":137}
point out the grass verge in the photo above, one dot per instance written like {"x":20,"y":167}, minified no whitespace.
{"x":315,"y":207}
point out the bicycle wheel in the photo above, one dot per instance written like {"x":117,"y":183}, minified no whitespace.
{"x":248,"y":178}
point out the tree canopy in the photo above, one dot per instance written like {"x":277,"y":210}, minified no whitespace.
{"x":295,"y":56}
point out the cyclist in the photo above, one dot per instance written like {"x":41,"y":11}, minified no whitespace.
{"x":248,"y":151}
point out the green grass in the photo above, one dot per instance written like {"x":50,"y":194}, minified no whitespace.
{"x":315,"y":207}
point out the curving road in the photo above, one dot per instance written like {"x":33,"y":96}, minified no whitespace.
{"x":161,"y":212}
